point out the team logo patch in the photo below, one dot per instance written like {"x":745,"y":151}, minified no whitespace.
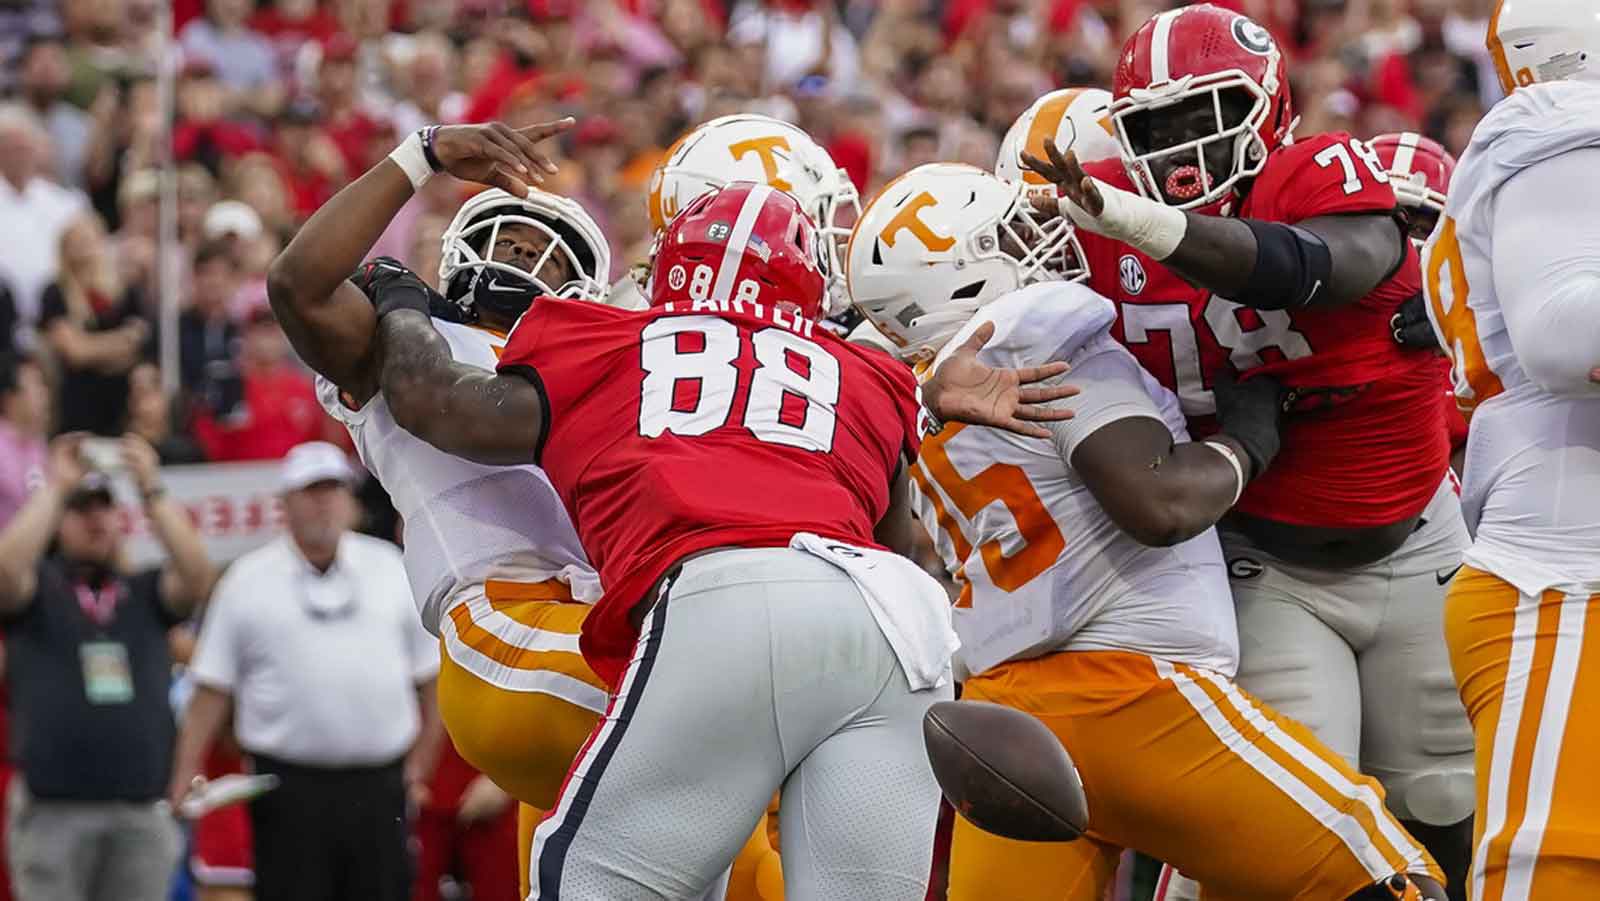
{"x":1131,"y":271}
{"x":1252,"y":37}
{"x":676,"y":278}
{"x":1244,"y":568}
{"x":718,"y":231}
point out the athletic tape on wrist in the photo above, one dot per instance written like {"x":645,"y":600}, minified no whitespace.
{"x":412,"y":158}
{"x":1238,"y":468}
{"x":1148,"y":225}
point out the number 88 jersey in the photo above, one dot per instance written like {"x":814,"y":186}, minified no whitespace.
{"x":701,"y":424}
{"x":1367,"y":444}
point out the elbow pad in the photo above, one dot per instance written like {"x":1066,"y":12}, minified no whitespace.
{"x":1292,"y":267}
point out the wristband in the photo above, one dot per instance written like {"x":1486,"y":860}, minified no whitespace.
{"x":415,"y":158}
{"x":1144,"y":224}
{"x":1233,"y":459}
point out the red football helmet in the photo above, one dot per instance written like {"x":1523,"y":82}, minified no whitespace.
{"x":1419,"y":169}
{"x":1200,"y":97}
{"x":744,"y":243}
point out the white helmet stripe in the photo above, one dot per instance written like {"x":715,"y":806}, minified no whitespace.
{"x":754,"y":202}
{"x":1405,"y":152}
{"x":1160,"y":40}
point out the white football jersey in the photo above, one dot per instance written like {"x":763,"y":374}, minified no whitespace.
{"x":1043,"y":567}
{"x":465,"y":522}
{"x":1531,"y":483}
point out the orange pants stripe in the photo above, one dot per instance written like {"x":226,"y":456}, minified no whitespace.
{"x":1184,"y":766}
{"x":525,"y":740}
{"x":1528,"y":668}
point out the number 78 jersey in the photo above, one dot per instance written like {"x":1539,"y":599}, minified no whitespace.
{"x":1370,"y":447}
{"x":673,"y":430}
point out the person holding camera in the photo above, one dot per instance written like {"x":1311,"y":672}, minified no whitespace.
{"x":88,"y":670}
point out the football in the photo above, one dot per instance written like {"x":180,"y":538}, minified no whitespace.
{"x":1005,"y":771}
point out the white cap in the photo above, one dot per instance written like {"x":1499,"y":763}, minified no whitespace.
{"x":231,"y":216}
{"x":313,"y":462}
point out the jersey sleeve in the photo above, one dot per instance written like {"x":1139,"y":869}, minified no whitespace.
{"x":1323,"y":175}
{"x":1111,"y":388}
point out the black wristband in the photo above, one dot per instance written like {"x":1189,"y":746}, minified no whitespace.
{"x":427,"y":148}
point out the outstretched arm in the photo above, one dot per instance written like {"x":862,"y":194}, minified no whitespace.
{"x":327,"y":319}
{"x":1324,"y":261}
{"x":1159,"y":491}
{"x":460,"y":409}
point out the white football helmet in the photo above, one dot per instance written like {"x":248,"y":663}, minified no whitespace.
{"x":753,"y":147}
{"x":1077,"y":119}
{"x":1544,"y":40}
{"x":941,"y":241}
{"x":473,"y":280}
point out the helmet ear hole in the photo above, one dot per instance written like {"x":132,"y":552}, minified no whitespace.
{"x":969,"y":291}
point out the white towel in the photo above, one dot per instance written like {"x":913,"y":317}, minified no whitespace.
{"x":910,"y":607}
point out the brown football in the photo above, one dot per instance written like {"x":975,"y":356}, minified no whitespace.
{"x":1005,"y":771}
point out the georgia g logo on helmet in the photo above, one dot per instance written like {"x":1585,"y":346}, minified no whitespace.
{"x":1251,"y":36}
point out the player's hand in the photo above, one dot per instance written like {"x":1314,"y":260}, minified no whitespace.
{"x":498,"y":155}
{"x":1251,"y":412}
{"x":1072,"y":183}
{"x":962,"y":389}
{"x":391,"y":286}
{"x":1409,"y":326}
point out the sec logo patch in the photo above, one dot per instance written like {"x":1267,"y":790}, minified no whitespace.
{"x":676,"y":277}
{"x":1131,"y":271}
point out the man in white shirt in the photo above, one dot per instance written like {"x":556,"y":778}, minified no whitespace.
{"x":34,"y":211}
{"x":313,"y":642}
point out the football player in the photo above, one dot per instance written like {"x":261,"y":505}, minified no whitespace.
{"x":734,"y":470}
{"x":1514,"y":294}
{"x":497,"y":569}
{"x":756,"y":148}
{"x":1420,"y":169}
{"x":1094,"y":594}
{"x":1228,"y":246}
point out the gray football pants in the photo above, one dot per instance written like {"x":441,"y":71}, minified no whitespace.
{"x":757,"y":670}
{"x":1358,"y":656}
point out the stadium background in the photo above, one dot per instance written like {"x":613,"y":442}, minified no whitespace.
{"x":155,"y":156}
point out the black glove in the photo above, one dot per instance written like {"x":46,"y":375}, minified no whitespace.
{"x":391,"y":286}
{"x":1409,"y":326}
{"x":1250,"y":412}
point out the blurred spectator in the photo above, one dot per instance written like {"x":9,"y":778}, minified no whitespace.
{"x":43,"y":77}
{"x":88,"y":667}
{"x":202,"y":133}
{"x":126,"y":139}
{"x":33,"y":210}
{"x":9,"y":321}
{"x":24,"y":424}
{"x":467,"y":831}
{"x":315,"y":639}
{"x":208,"y":338}
{"x":244,"y":61}
{"x":344,"y":119}
{"x":429,"y":85}
{"x":313,"y":165}
{"x":277,"y":406}
{"x":91,"y":321}
{"x":150,"y":417}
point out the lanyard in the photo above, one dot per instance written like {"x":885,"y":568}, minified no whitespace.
{"x":99,"y":605}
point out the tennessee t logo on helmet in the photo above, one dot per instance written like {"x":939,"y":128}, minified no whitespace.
{"x":908,"y":220}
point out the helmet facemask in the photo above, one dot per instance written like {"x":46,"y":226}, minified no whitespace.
{"x":479,"y":282}
{"x":1193,"y":166}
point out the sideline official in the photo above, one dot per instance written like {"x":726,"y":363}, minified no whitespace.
{"x":314,"y":639}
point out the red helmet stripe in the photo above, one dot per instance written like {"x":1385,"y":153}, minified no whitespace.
{"x":738,"y":240}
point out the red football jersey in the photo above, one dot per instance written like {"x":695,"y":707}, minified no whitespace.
{"x":1368,"y":452}
{"x":673,"y":430}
